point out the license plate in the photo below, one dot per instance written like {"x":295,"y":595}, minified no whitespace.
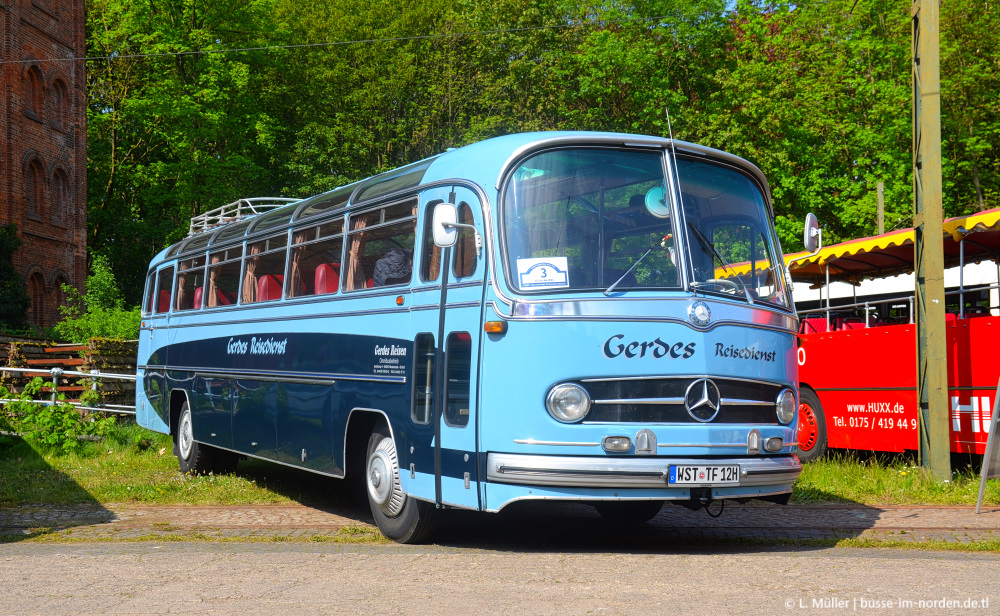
{"x":704,"y":475}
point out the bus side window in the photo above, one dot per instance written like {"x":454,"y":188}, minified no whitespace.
{"x":316,"y":256}
{"x":264,"y":270}
{"x":223,"y":277}
{"x":147,"y":305}
{"x":465,"y":249}
{"x":190,"y":284}
{"x":164,"y":280}
{"x":458,"y":365}
{"x":430,"y":265}
{"x":380,"y":247}
{"x":423,"y":379}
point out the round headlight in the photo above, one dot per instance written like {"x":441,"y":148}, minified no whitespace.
{"x":567,"y":402}
{"x":786,"y":406}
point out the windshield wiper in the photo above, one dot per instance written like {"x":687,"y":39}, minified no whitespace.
{"x":628,"y":271}
{"x":704,"y":242}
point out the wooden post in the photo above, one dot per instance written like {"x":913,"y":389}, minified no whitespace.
{"x":932,"y":357}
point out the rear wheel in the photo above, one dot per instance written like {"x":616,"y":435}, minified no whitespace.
{"x":628,"y":512}
{"x":194,"y":458}
{"x":399,"y":517}
{"x":811,"y":428}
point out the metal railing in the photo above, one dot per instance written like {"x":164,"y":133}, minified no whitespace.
{"x":237,"y":210}
{"x":867,"y":305}
{"x":93,"y":375}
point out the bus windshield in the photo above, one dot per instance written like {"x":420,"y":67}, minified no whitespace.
{"x":731,"y":245}
{"x":576,"y":219}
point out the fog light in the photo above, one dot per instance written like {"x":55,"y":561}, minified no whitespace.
{"x":785,"y":406}
{"x":773,"y":444}
{"x":617,"y":444}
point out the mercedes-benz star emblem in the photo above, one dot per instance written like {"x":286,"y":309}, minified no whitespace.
{"x":703,"y":400}
{"x":700,"y":314}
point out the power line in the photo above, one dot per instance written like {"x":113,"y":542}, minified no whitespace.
{"x":394,"y":39}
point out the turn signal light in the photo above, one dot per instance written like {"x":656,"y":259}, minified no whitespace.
{"x":617,"y":444}
{"x":495,"y":327}
{"x":773,"y":444}
{"x":399,"y":300}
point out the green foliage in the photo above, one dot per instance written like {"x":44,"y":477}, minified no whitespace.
{"x":14,"y":301}
{"x":100,"y":313}
{"x":58,"y":426}
{"x":817,"y":94}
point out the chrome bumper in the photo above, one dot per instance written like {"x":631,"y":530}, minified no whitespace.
{"x":593,"y":472}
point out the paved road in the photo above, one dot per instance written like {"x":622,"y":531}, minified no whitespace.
{"x":315,"y":578}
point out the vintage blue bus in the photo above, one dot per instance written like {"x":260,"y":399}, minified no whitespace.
{"x":535,"y":316}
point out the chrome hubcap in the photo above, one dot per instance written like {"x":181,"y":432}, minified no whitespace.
{"x":185,"y":436}
{"x":383,"y":479}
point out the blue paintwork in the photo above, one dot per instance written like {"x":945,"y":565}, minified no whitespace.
{"x":334,"y":336}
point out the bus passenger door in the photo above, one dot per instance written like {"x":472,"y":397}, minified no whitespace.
{"x":455,"y":354}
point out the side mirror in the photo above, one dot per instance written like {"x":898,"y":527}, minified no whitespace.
{"x":445,"y":219}
{"x":813,"y":236}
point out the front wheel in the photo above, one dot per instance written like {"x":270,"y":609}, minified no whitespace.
{"x":399,"y":517}
{"x":628,"y":512}
{"x":811,"y":427}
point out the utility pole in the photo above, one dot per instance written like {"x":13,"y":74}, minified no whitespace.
{"x":881,"y":207}
{"x":932,"y":357}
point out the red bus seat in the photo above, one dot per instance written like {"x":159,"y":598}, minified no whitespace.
{"x":851,"y":323}
{"x":950,"y":316}
{"x":813,"y":326}
{"x":327,"y":278}
{"x":223,"y":298}
{"x":269,"y":287}
{"x":163,"y":305}
{"x":197,"y":297}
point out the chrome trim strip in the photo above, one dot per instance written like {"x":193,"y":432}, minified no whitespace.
{"x":740,"y":402}
{"x":270,"y":378}
{"x":276,"y":461}
{"x":274,"y":375}
{"x":641,"y":401}
{"x":631,"y":472}
{"x":531,"y":441}
{"x":734,"y":444}
{"x":681,"y":376}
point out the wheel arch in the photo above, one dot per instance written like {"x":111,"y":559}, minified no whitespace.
{"x":360,"y":423}
{"x":177,"y":399}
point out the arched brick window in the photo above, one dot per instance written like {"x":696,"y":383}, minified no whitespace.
{"x":60,"y":104}
{"x":60,"y":197}
{"x":34,"y":188}
{"x":57,"y":293}
{"x":35,"y":94}
{"x":36,"y":287}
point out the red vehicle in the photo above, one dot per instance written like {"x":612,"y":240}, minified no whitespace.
{"x":857,"y":355}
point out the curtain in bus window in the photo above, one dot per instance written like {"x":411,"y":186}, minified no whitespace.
{"x":250,"y":278}
{"x":180,"y":295}
{"x":297,"y":286}
{"x":465,"y":248}
{"x":355,"y":274}
{"x":430,"y":268}
{"x":213,"y":282}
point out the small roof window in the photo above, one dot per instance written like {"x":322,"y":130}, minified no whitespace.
{"x":231,"y":232}
{"x":391,"y":181}
{"x":327,"y":202}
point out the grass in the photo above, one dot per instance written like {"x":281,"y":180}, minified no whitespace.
{"x":888,"y":480}
{"x":136,"y":466}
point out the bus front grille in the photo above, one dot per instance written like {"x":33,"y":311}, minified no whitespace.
{"x":661,"y":400}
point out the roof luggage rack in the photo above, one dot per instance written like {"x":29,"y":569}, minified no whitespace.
{"x":237,"y":210}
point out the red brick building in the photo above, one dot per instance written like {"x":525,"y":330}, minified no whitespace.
{"x":43,"y":146}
